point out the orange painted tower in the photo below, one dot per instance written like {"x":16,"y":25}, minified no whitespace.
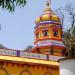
{"x":48,"y":34}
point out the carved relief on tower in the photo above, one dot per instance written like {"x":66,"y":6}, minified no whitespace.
{"x":48,"y":73}
{"x":37,"y":35}
{"x":3,"y":71}
{"x":25,"y":71}
{"x":56,"y":31}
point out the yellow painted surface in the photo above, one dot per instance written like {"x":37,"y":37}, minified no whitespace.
{"x":49,"y":33}
{"x":55,"y":18}
{"x":56,"y":51}
{"x":19,"y":59}
{"x":23,"y":69}
{"x":46,"y":17}
{"x":44,"y":49}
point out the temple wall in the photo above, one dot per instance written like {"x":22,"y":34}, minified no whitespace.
{"x":67,"y":67}
{"x":8,"y":68}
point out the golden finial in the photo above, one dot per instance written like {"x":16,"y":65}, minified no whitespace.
{"x":48,"y":7}
{"x":48,"y":3}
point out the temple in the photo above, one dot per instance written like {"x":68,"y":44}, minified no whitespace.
{"x":48,"y":49}
{"x":48,"y":34}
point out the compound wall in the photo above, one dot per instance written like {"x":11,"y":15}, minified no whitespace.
{"x":9,"y":68}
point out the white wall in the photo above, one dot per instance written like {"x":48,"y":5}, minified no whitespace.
{"x":67,"y":67}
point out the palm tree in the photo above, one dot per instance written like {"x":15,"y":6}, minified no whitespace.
{"x":11,"y":4}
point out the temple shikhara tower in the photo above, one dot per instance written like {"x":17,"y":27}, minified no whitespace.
{"x":48,"y":34}
{"x":48,"y":49}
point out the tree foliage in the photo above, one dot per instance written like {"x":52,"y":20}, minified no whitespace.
{"x":60,"y":13}
{"x":69,"y":33}
{"x":71,"y":11}
{"x":11,"y":4}
{"x":3,"y":47}
{"x":69,"y":41}
{"x":28,"y":48}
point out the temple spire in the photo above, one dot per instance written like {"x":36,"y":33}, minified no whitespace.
{"x":48,"y":33}
{"x":48,"y":3}
{"x":48,"y":7}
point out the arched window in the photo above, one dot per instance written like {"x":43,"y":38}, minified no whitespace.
{"x":45,"y":33}
{"x":55,"y":33}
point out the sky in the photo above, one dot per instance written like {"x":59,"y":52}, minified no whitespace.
{"x":17,"y":29}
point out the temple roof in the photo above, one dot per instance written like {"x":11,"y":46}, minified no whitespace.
{"x":47,"y":15}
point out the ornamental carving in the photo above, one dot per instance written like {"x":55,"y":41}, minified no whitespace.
{"x":25,"y":72}
{"x":3,"y":70}
{"x":48,"y":73}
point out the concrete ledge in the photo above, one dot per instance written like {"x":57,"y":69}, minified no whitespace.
{"x":27,"y":60}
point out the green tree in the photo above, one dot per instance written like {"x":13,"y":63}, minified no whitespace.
{"x":28,"y":48}
{"x":69,"y":41}
{"x":71,"y":11}
{"x":11,"y":4}
{"x":69,"y":33}
{"x":3,"y":47}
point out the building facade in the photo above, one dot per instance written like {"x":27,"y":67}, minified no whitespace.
{"x":48,"y":49}
{"x":67,"y":66}
{"x":14,"y":62}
